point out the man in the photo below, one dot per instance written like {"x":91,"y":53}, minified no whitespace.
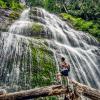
{"x":64,"y":70}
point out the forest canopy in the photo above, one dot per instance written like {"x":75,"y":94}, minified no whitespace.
{"x":86,"y":9}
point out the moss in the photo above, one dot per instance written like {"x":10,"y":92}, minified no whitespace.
{"x":80,"y":24}
{"x":37,"y":28}
{"x":43,"y":66}
{"x":14,"y":15}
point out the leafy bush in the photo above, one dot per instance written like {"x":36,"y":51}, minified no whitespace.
{"x":86,"y":25}
{"x":2,"y":4}
{"x":15,"y":6}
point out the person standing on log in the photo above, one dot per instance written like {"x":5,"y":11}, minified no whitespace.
{"x":64,"y":70}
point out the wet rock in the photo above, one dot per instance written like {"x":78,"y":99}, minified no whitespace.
{"x":36,"y":12}
{"x":37,"y":19}
{"x":96,"y":51}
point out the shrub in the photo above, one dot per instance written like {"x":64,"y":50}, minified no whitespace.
{"x":16,"y":5}
{"x":3,"y":4}
{"x":86,"y":25}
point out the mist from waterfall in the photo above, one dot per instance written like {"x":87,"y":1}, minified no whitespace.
{"x":80,"y":49}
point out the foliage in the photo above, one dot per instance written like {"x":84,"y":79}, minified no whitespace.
{"x":12,"y":4}
{"x":83,"y":25}
{"x":51,"y":5}
{"x":15,"y":6}
{"x":86,"y":9}
{"x":2,"y":4}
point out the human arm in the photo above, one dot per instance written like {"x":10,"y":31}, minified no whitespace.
{"x":66,"y":65}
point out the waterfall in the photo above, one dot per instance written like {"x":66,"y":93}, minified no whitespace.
{"x":80,"y":49}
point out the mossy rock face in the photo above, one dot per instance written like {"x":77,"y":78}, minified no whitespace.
{"x":43,"y":65}
{"x":38,"y":30}
{"x":14,"y":15}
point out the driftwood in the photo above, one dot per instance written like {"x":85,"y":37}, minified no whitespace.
{"x":51,"y":91}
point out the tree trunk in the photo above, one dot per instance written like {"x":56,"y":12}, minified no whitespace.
{"x":51,"y":91}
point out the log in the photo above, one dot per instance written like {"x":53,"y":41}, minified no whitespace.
{"x":51,"y":91}
{"x":86,"y":91}
{"x":35,"y":93}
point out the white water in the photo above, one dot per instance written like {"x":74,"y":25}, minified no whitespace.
{"x":15,"y":56}
{"x":80,"y":50}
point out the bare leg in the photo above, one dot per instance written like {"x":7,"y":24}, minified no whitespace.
{"x":67,"y":79}
{"x":58,"y":76}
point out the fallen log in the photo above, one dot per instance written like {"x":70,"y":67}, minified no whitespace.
{"x":51,"y":91}
{"x":86,"y":91}
{"x":35,"y":93}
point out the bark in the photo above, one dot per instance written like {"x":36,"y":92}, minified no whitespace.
{"x":53,"y":90}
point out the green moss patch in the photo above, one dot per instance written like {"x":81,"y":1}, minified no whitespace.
{"x":14,"y":15}
{"x":37,"y":28}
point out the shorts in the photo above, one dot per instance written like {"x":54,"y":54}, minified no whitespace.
{"x":64,"y":73}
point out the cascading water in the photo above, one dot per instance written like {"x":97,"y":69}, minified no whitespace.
{"x":80,"y":49}
{"x":15,"y":56}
